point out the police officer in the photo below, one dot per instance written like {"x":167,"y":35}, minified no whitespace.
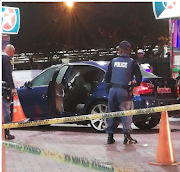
{"x":119,"y":75}
{"x":7,"y":67}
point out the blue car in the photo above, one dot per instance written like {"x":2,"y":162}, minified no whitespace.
{"x":79,"y":88}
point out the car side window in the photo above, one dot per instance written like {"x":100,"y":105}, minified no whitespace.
{"x":92,"y":75}
{"x":44,"y":78}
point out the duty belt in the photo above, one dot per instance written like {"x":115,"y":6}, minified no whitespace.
{"x":6,"y":91}
{"x":120,"y":86}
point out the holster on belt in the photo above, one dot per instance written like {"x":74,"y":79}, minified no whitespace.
{"x":130,"y":91}
{"x":109,"y":85}
{"x":6,"y":91}
{"x":129,"y":88}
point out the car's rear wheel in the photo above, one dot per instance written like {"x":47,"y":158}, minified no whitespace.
{"x":99,"y":125}
{"x":148,"y":123}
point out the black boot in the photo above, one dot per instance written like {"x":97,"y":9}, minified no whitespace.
{"x":110,"y":138}
{"x":128,"y":139}
{"x":8,"y":136}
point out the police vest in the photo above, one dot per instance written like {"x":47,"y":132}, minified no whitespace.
{"x":121,"y":70}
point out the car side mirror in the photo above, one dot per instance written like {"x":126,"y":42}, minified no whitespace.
{"x":27,"y":84}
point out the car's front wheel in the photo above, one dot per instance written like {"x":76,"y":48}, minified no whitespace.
{"x":148,"y":123}
{"x":99,"y":125}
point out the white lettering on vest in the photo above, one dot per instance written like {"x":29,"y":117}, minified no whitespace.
{"x":120,"y":64}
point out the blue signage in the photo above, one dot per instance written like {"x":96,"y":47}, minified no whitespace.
{"x":10,"y":20}
{"x":168,"y":9}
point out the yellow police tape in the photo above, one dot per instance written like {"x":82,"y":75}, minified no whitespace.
{"x":93,"y":116}
{"x":63,"y":157}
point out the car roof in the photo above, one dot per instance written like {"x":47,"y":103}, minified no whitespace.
{"x":104,"y":65}
{"x":100,"y":64}
{"x":53,"y":66}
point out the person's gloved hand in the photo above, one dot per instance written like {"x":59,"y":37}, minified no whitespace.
{"x":13,"y":92}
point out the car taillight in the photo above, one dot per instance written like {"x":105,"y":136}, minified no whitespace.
{"x":144,"y":88}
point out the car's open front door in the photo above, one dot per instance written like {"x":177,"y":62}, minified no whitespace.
{"x":56,"y":91}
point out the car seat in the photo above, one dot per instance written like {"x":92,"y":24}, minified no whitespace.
{"x":79,"y":80}
{"x":88,"y":87}
{"x":77,"y":95}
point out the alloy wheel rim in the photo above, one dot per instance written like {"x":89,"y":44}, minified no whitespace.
{"x":99,"y":124}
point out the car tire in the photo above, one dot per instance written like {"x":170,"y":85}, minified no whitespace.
{"x":99,"y":125}
{"x":150,"y":123}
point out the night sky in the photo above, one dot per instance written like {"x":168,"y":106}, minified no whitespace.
{"x":52,"y":26}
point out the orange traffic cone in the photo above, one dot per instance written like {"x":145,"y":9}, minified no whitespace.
{"x":18,"y":114}
{"x":165,"y":151}
{"x":3,"y":148}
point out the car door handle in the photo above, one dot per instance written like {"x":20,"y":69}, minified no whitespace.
{"x":44,"y":96}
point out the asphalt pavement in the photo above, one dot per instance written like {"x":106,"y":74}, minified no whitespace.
{"x":81,"y":142}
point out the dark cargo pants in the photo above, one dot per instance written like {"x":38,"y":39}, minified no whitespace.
{"x":119,"y":101}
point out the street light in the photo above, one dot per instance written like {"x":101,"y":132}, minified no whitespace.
{"x":69,"y":3}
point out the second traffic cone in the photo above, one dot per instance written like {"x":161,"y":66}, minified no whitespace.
{"x":165,"y":151}
{"x":18,"y":114}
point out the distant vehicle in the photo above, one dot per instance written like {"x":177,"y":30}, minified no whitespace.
{"x":78,"y":88}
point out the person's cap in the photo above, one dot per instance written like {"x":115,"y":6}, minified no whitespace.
{"x":124,"y":45}
{"x":140,"y":51}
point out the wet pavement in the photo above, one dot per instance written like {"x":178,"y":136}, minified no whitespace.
{"x":83,"y":143}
